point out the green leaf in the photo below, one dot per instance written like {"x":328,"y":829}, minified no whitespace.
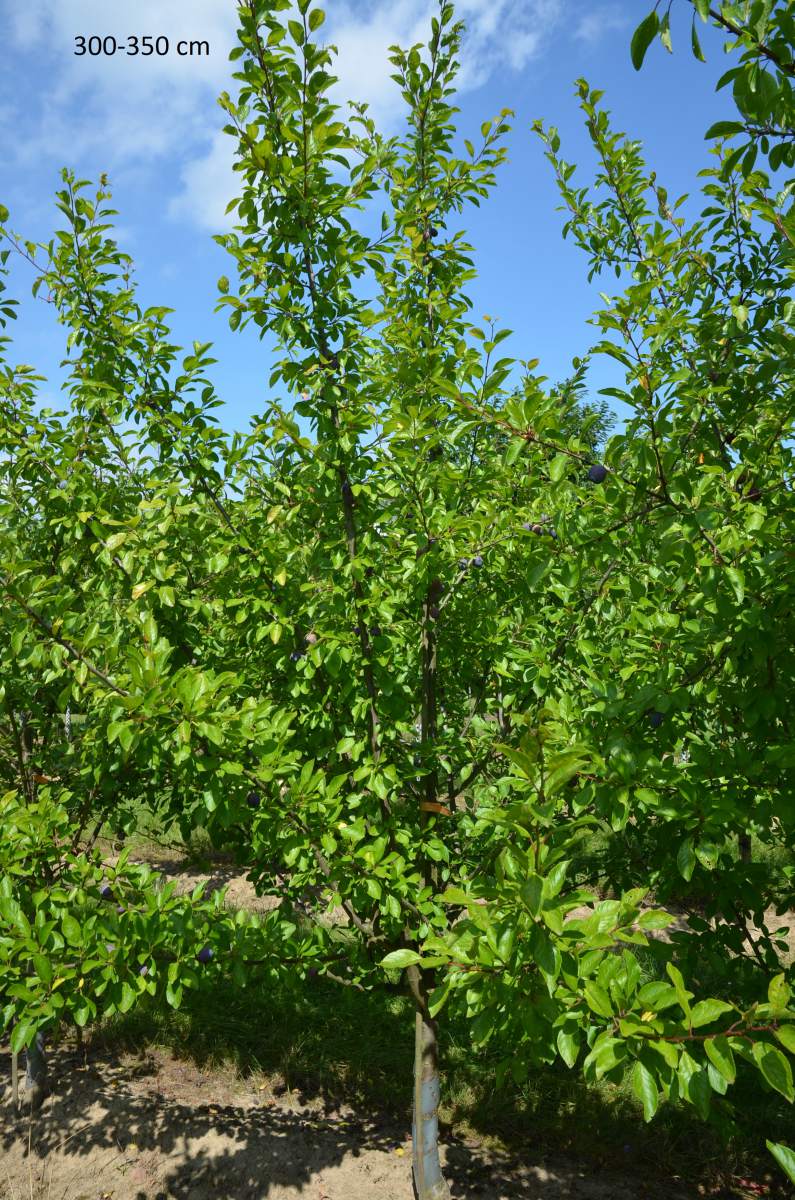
{"x":437,"y":999}
{"x":71,"y":930}
{"x":735,"y":576}
{"x":43,"y":967}
{"x":558,"y":467}
{"x":785,"y":1158}
{"x":643,"y":37}
{"x":716,"y":1080}
{"x":786,"y":1035}
{"x":400,"y":958}
{"x":699,"y":1092}
{"x":605,"y":1055}
{"x":316,"y":19}
{"x":707,"y":854}
{"x":645,"y":1088}
{"x":598,"y":1000}
{"x":695,"y":44}
{"x":513,"y":451}
{"x":568,"y":1047}
{"x":775,"y":1068}
{"x":22,"y":1035}
{"x":719,"y":1053}
{"x":544,"y":952}
{"x":778,"y":992}
{"x":128,"y":997}
{"x":532,"y":894}
{"x":686,"y":859}
{"x":724,"y":129}
{"x":682,"y":995}
{"x":665,"y":32}
{"x":668,"y":1051}
{"x":657,"y":995}
{"x":655,"y":918}
{"x":708,"y":1010}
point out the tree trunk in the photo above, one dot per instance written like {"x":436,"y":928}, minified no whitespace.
{"x":744,"y":840}
{"x":429,"y":1183}
{"x":36,"y":1085}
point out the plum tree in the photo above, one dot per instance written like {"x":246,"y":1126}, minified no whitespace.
{"x":434,"y":784}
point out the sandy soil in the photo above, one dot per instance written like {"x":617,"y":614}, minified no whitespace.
{"x":155,"y":1128}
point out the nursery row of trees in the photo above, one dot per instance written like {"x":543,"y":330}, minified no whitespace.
{"x":410,"y":639}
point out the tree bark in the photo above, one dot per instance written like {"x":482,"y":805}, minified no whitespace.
{"x":36,"y":1078}
{"x":36,"y":1084}
{"x":429,"y":1183}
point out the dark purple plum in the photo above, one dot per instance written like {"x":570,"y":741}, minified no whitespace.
{"x":253,"y":799}
{"x":656,"y":719}
{"x":477,"y":561}
{"x":205,"y":954}
{"x":597,"y":473}
{"x":106,"y":892}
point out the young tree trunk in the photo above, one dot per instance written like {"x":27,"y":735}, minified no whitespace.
{"x":429,"y":1183}
{"x":744,"y":840}
{"x":36,"y":1082}
{"x":36,"y":1085}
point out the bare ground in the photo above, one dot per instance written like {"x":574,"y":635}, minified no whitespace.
{"x":151,"y":1127}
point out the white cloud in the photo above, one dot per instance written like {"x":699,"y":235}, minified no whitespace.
{"x":124,"y":108}
{"x":208,"y":183}
{"x":498,"y":33}
{"x":598,"y":22}
{"x":135,"y":114}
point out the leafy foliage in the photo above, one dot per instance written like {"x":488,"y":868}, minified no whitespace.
{"x":409,"y":609}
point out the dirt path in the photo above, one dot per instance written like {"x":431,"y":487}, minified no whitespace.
{"x":155,"y":1128}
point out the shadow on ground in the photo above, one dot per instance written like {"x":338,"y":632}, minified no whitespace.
{"x":153,"y":1127}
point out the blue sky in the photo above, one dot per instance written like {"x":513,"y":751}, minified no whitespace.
{"x":154,"y":126}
